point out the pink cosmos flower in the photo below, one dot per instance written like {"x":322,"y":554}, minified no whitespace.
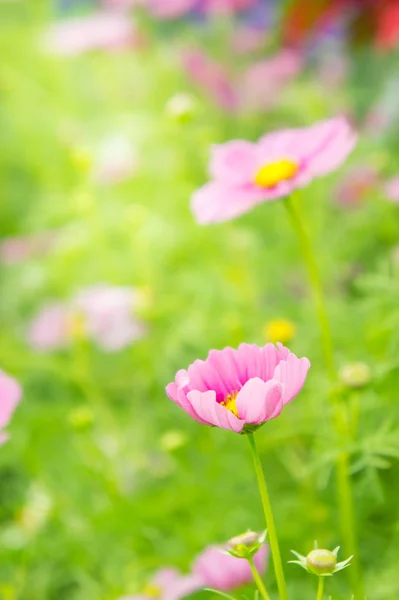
{"x":246,"y":40}
{"x":211,"y":77}
{"x":261,"y":85}
{"x":225,"y":572}
{"x":102,"y":30}
{"x":246,"y":174}
{"x":50,"y":328}
{"x":170,"y":9}
{"x":392,"y":189}
{"x":226,"y":7}
{"x":16,"y":249}
{"x":103,"y":314}
{"x":169,"y":584}
{"x":239,"y":389}
{"x":107,"y":313}
{"x":121,"y":4}
{"x":10,"y":396}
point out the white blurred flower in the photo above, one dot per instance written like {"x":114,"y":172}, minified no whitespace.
{"x":108,"y":314}
{"x":115,"y":159}
{"x":101,"y":30}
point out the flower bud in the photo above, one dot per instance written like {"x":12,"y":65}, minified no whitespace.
{"x":355,"y":375}
{"x":246,"y":544}
{"x":321,"y":562}
{"x":181,"y":107}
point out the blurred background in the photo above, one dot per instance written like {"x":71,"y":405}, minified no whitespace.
{"x":108,"y":111}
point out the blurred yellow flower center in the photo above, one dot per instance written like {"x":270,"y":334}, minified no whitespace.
{"x":230,"y":403}
{"x":152,"y":591}
{"x":271,"y":174}
{"x":279,"y":330}
{"x":76,"y":325}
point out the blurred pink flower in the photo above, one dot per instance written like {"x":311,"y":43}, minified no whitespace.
{"x":211,"y":77}
{"x":237,"y":389}
{"x":10,"y":396}
{"x":170,"y":9}
{"x":121,"y":4}
{"x":392,"y":189}
{"x":225,"y":572}
{"x":101,"y":30}
{"x":261,"y":85}
{"x":226,"y":7}
{"x":50,"y":328}
{"x":107,"y":313}
{"x":169,"y":584}
{"x":355,"y":185}
{"x":16,"y":249}
{"x":246,"y":39}
{"x":246,"y":174}
{"x":103,"y":314}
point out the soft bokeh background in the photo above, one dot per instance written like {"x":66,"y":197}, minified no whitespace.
{"x":104,"y":479}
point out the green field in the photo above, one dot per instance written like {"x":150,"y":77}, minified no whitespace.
{"x":104,"y":479}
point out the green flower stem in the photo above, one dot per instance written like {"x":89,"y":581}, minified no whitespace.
{"x":258,"y":579}
{"x":320,"y":588}
{"x":344,"y":485}
{"x":316,"y":287}
{"x":270,"y":525}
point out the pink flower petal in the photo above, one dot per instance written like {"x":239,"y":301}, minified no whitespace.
{"x":259,"y":401}
{"x":225,"y":572}
{"x":208,"y":409}
{"x":259,"y":362}
{"x":104,"y":29}
{"x":233,"y":162}
{"x":165,"y":577}
{"x":178,"y":396}
{"x":170,"y":9}
{"x":292,"y":374}
{"x":392,"y":189}
{"x":226,"y":363}
{"x":10,"y":396}
{"x":333,"y":141}
{"x":203,"y":377}
{"x":318,"y":149}
{"x":216,"y":201}
{"x":182,"y":587}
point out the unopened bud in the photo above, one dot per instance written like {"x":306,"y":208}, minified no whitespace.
{"x":321,"y":562}
{"x":181,"y":107}
{"x":246,"y":544}
{"x":355,"y":375}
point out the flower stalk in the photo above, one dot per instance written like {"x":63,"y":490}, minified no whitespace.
{"x":258,"y":579}
{"x":344,"y":485}
{"x":320,"y":589}
{"x":271,"y":527}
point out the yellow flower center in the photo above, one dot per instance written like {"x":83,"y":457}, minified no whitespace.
{"x":280,"y":330}
{"x":76,"y":326}
{"x":152,"y":591}
{"x":230,"y":403}
{"x":271,"y":174}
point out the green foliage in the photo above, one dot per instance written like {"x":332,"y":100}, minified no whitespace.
{"x":104,"y":479}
